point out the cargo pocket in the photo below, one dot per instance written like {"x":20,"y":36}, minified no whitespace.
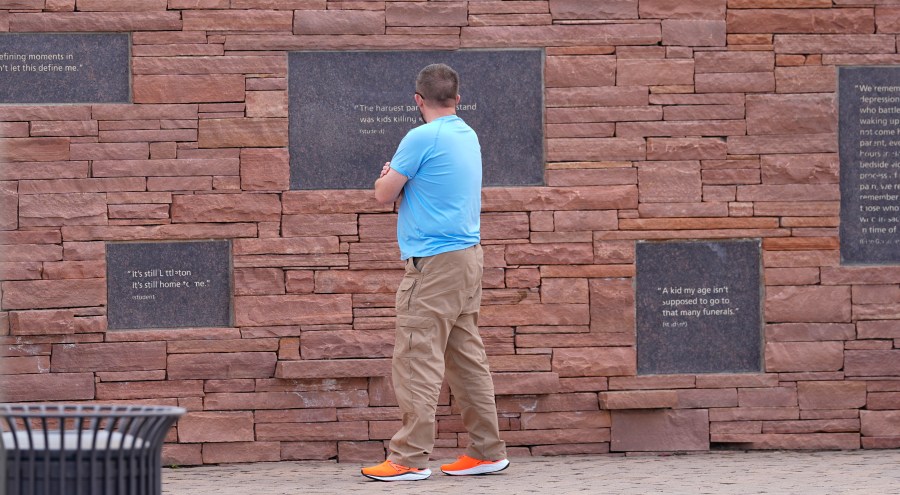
{"x":404,"y":293}
{"x":414,"y":336}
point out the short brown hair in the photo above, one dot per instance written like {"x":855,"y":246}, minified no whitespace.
{"x":438,"y":83}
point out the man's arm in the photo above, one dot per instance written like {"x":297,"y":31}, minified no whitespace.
{"x":389,"y":185}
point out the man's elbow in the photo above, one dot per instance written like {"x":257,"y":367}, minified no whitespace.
{"x":383,"y":197}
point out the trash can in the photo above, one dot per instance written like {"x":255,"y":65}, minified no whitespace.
{"x":86,"y":449}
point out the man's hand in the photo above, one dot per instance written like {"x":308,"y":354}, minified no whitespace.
{"x":389,"y":184}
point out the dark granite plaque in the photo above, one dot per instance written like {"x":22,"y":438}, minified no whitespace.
{"x":349,"y":111}
{"x":869,"y":138}
{"x":698,"y":307}
{"x":169,"y":284}
{"x":65,"y":68}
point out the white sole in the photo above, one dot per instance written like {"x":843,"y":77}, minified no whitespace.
{"x":482,"y":469}
{"x":421,"y":475}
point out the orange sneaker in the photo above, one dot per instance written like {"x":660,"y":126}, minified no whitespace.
{"x":390,"y":471}
{"x":466,"y":465}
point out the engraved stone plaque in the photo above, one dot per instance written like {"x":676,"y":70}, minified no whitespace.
{"x":698,"y":307}
{"x":65,"y":68}
{"x":869,"y":140}
{"x":169,"y":284}
{"x":349,"y":111}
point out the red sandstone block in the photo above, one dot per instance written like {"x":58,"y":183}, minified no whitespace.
{"x":809,"y":332}
{"x":237,"y":20}
{"x":800,"y":169}
{"x":344,"y":368}
{"x":575,"y":220}
{"x":654,"y":72}
{"x":706,"y":398}
{"x":572,"y":419}
{"x":812,"y":426}
{"x":860,"y":275}
{"x":734,"y":62}
{"x":62,"y":209}
{"x":754,"y":414}
{"x":693,"y":32}
{"x":40,"y":294}
{"x":556,"y":199}
{"x":768,"y":114}
{"x":47,"y":387}
{"x":64,"y":128}
{"x":187,"y":184}
{"x":267,"y":104}
{"x":332,"y":201}
{"x":872,"y":363}
{"x":136,"y":356}
{"x":832,"y":395}
{"x":343,"y":344}
{"x":682,"y":430}
{"x":323,"y":22}
{"x":353,"y":281}
{"x":603,"y":96}
{"x":264,"y":169}
{"x":767,"y":397}
{"x":834,"y":43}
{"x":44,"y":170}
{"x":222,"y":365}
{"x":739,"y":82}
{"x":887,"y":19}
{"x":534,"y":314}
{"x":219,"y":453}
{"x":807,"y":79}
{"x":595,"y":149}
{"x":504,"y":226}
{"x":197,"y":427}
{"x":729,"y":128}
{"x":163,"y":168}
{"x":149,"y":390}
{"x":319,"y":225}
{"x":612,"y":305}
{"x":686,"y":148}
{"x":300,"y":281}
{"x":188,"y":88}
{"x":109,"y":151}
{"x":560,"y":290}
{"x":669,"y":182}
{"x":876,"y":294}
{"x":54,"y":322}
{"x":181,"y":454}
{"x":609,"y":361}
{"x":560,"y":35}
{"x":807,"y":143}
{"x":643,"y":399}
{"x":788,"y":192}
{"x":574,"y":9}
{"x":808,"y":304}
{"x":880,"y":423}
{"x":282,"y":310}
{"x":74,"y":269}
{"x":38,"y":149}
{"x":95,"y":21}
{"x":22,"y":271}
{"x":580,"y":71}
{"x":674,"y":9}
{"x":587,"y":177}
{"x":525,"y":383}
{"x":294,"y":432}
{"x":805,"y":356}
{"x":360,"y":451}
{"x":878,"y":329}
{"x":555,"y":436}
{"x":426,"y":14}
{"x":242,"y":132}
{"x":308,"y":451}
{"x":549,"y":254}
{"x":258,"y":281}
{"x":795,"y":21}
{"x":148,"y":135}
{"x":226,"y":208}
{"x":155,"y":211}
{"x":24,"y":365}
{"x":806,"y":441}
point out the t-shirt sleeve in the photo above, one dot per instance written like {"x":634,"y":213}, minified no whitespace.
{"x":411,"y":153}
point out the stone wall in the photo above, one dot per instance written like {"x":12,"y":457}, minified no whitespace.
{"x":665,"y":119}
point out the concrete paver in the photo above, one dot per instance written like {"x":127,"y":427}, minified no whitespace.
{"x":869,"y":472}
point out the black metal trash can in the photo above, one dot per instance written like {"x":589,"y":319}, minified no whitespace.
{"x":63,"y":449}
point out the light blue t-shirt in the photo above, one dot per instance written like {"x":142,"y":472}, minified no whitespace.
{"x":441,"y":206}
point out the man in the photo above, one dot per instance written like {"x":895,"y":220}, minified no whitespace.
{"x":437,"y":168}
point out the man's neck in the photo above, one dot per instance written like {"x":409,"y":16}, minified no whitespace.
{"x":431,"y":114}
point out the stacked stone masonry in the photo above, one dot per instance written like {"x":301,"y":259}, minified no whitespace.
{"x":665,"y":119}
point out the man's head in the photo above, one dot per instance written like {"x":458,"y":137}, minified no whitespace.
{"x":438,"y":85}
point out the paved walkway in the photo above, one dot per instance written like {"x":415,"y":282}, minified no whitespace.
{"x":864,"y":472}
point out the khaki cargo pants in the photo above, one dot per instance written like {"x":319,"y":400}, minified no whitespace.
{"x":437,"y":337}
